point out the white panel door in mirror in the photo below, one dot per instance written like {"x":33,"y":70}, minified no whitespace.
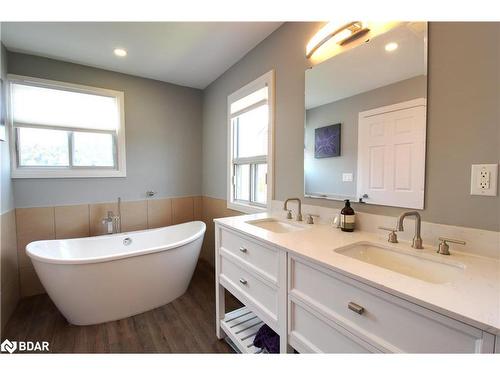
{"x":391,"y":154}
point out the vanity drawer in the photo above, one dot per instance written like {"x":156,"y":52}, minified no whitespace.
{"x":256,"y":256}
{"x":310,"y":334}
{"x":387,"y":322}
{"x":248,"y":288}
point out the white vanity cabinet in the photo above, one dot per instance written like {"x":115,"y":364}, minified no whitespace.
{"x":315,"y":309}
{"x":255,"y":273}
{"x":329,"y":312}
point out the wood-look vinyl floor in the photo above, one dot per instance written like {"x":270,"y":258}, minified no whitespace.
{"x":186,"y":325}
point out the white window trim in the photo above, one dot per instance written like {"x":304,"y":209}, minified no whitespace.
{"x":267,"y":79}
{"x":81,"y":172}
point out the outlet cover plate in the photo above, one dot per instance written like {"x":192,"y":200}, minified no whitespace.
{"x":346,"y":177}
{"x":483,"y":179}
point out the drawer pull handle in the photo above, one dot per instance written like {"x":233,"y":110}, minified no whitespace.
{"x":356,"y":308}
{"x":243,"y":249}
{"x":243,"y":281}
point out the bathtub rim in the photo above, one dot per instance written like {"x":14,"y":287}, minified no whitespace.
{"x":108,"y":258}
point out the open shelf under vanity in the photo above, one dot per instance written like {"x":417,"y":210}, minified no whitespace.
{"x":241,"y":326}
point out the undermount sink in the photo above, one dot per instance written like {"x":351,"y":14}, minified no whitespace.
{"x":276,"y":226}
{"x":418,"y":267}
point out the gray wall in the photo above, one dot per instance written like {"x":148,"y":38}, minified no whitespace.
{"x":163,"y":138}
{"x":463,"y":118}
{"x":325,"y":175}
{"x":6,"y":194}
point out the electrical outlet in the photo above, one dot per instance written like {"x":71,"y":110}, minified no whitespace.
{"x":346,"y":177}
{"x":483,"y":180}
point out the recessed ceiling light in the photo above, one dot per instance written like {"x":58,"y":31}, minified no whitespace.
{"x":120,"y":52}
{"x":389,"y":47}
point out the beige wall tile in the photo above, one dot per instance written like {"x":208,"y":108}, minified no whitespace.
{"x":8,"y":246}
{"x":197,"y":208}
{"x":22,"y":258}
{"x":33,"y":224}
{"x":212,"y":208}
{"x":72,"y":221}
{"x":29,"y":282}
{"x":9,"y":291}
{"x":159,"y":213}
{"x":134,"y":215}
{"x":182,"y":210}
{"x":97,"y":213}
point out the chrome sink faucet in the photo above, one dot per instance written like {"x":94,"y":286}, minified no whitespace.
{"x":417,"y":240}
{"x":299,"y":213}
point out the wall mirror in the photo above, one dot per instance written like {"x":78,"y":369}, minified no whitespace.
{"x":365,"y":122}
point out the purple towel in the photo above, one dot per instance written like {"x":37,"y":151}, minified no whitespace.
{"x":267,"y":339}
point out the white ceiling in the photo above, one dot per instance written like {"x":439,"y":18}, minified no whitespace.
{"x":191,"y":54}
{"x":369,"y":66}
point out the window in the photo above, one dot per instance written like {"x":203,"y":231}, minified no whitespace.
{"x":250,"y":130}
{"x":65,"y":130}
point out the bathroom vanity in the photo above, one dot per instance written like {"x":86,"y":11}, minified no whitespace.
{"x":325,"y":291}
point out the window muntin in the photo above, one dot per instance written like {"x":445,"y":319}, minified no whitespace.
{"x":86,"y":122}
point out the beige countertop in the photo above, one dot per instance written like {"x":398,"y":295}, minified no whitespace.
{"x":473,"y":297}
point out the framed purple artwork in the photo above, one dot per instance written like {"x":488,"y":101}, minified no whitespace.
{"x":327,"y":141}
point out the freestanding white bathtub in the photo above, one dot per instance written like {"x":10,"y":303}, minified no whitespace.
{"x":99,"y":279}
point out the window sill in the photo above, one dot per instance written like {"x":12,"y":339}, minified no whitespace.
{"x":245,"y":208}
{"x":58,"y":173}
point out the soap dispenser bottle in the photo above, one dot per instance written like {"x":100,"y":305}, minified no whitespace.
{"x":347,"y":218}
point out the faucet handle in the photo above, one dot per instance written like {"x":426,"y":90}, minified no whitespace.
{"x":444,"y":248}
{"x":388,"y":229}
{"x":289,"y":214}
{"x":452,"y":240}
{"x":393,"y":237}
{"x":310,"y":218}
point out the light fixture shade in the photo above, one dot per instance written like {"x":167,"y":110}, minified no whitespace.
{"x":340,"y":33}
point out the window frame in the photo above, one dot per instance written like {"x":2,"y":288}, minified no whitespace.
{"x":71,"y":171}
{"x":267,"y":79}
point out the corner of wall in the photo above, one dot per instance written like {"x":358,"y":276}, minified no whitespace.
{"x":9,"y":288}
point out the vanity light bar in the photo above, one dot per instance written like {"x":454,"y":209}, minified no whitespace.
{"x":341,"y":35}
